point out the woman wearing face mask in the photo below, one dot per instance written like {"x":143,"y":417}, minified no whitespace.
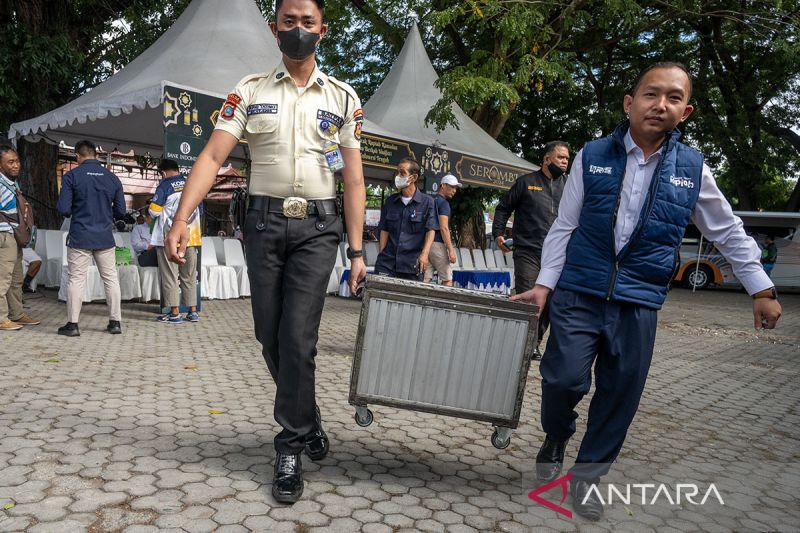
{"x":408,"y":223}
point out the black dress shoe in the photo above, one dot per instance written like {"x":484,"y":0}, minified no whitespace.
{"x":587,"y":504}
{"x":550,"y":459}
{"x":287,"y":485}
{"x":114,"y":327}
{"x":317,"y":444}
{"x":70,"y":329}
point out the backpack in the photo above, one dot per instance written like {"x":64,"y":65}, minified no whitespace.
{"x":25,"y":230}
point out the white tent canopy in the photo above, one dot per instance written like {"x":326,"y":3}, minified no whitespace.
{"x":211,"y":46}
{"x":398,"y":109}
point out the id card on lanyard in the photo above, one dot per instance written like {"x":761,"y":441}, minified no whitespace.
{"x":333,"y":156}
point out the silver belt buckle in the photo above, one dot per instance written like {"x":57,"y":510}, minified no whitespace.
{"x":295,"y":207}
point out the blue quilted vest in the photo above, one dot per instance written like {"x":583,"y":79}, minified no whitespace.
{"x":641,"y":272}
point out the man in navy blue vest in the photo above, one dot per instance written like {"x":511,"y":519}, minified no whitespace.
{"x":608,"y":260}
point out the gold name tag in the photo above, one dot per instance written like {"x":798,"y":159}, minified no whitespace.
{"x":534,"y":188}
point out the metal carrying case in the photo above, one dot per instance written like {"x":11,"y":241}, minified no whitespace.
{"x":453,"y":352}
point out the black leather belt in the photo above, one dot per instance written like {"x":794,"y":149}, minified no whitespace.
{"x":293,"y":207}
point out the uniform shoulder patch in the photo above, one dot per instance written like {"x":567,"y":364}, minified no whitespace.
{"x":229,"y":107}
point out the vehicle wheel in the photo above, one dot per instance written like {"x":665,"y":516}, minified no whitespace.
{"x":366,"y":421}
{"x":699,"y":278}
{"x":498,"y":443}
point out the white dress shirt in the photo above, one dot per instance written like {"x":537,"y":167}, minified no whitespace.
{"x":140,"y":238}
{"x":712,"y":215}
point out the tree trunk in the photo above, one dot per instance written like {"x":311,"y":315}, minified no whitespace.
{"x":794,"y":200}
{"x":39,"y":182}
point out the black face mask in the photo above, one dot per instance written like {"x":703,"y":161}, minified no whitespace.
{"x":297,"y":43}
{"x":555,"y":170}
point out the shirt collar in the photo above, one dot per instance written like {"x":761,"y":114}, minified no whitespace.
{"x":416,"y":197}
{"x":632,"y":149}
{"x":317,"y":77}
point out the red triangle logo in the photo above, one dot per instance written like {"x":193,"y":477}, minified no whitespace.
{"x":563,"y":482}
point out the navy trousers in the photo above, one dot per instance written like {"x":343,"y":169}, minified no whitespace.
{"x":617,"y":339}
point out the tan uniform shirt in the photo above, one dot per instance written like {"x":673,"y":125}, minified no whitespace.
{"x":287,"y":129}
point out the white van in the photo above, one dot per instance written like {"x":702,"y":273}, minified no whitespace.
{"x":701,"y":265}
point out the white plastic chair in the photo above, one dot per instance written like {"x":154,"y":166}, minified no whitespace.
{"x":480,"y":262}
{"x":218,"y":281}
{"x":371,"y":252}
{"x":466,"y":259}
{"x":219,"y":248}
{"x":500,"y":259}
{"x":234,"y":257}
{"x":54,"y":246}
{"x":488,"y":255}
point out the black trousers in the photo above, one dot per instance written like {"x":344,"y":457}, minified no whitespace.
{"x":527,"y":264}
{"x":617,"y":339}
{"x":289,"y":262}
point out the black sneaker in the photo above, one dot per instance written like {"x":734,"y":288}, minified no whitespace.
{"x":114,"y":327}
{"x":70,"y":329}
{"x":26,"y":288}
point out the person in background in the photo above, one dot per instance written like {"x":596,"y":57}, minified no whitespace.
{"x":92,"y":196}
{"x":534,"y":199}
{"x":140,"y":240}
{"x":408,"y":223}
{"x":769,"y":255}
{"x":443,"y":253}
{"x":178,"y":281}
{"x":31,"y":264}
{"x":12,"y":315}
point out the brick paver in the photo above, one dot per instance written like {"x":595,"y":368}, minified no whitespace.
{"x":169,"y":428}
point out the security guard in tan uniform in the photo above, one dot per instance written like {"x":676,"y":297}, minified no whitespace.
{"x":302,"y":126}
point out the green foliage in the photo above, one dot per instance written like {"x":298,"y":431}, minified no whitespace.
{"x":527,"y":72}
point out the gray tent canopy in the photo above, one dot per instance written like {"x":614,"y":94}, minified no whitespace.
{"x":210,"y":47}
{"x":395,"y":118}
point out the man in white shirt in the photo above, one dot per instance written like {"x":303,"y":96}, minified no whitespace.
{"x":140,"y":240}
{"x":608,"y":260}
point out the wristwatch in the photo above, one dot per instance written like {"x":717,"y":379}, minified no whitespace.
{"x":767,"y":293}
{"x":352,"y":254}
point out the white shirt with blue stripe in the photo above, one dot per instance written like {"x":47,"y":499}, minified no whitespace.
{"x":8,"y":202}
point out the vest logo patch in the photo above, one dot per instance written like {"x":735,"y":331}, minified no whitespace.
{"x":594,"y":169}
{"x":686,"y":183}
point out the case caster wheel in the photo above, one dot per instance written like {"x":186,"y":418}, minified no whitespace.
{"x":499,"y":441}
{"x":363,"y":417}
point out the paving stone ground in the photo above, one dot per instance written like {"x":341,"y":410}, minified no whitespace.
{"x":170,"y":427}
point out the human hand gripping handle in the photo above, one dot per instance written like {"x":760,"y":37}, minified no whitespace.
{"x":537,"y":296}
{"x":176,"y":241}
{"x":766,"y":313}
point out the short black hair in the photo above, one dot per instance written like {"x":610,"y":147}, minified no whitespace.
{"x":86,"y":148}
{"x":6,"y":148}
{"x":550,"y":147}
{"x":413,"y":166}
{"x":168,"y":164}
{"x":661,"y":64}
{"x":320,"y":5}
